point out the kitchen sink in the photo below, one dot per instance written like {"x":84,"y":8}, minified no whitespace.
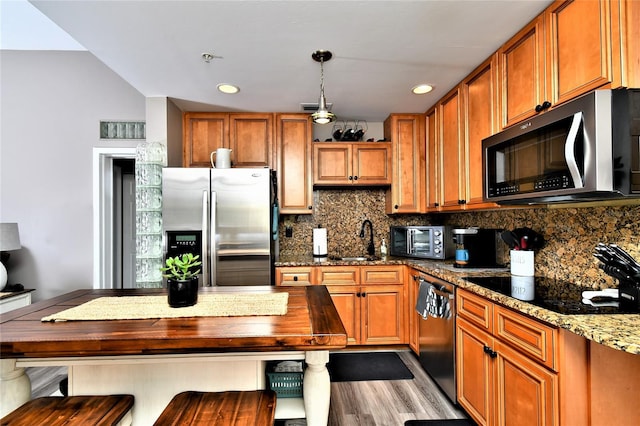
{"x":355,"y":258}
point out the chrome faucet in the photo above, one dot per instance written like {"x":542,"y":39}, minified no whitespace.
{"x":371,"y":249}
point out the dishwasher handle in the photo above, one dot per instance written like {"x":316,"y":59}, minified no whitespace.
{"x":438,"y":289}
{"x":442,"y":292}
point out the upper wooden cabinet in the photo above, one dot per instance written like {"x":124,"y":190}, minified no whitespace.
{"x":249,"y":136}
{"x":356,"y":163}
{"x":573,"y":47}
{"x":451,"y":133}
{"x":293,"y":147}
{"x":251,"y":140}
{"x":433,"y":156}
{"x":407,"y":191}
{"x":522,"y":73}
{"x":480,"y":118}
{"x":203,"y":133}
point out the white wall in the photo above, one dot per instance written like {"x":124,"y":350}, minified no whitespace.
{"x":50,"y":107}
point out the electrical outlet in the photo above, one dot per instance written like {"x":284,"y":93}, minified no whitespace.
{"x":288,"y":232}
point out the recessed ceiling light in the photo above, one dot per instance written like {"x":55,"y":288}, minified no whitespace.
{"x":228,"y":88}
{"x":421,"y":89}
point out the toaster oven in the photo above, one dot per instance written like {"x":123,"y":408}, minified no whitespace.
{"x":427,"y":242}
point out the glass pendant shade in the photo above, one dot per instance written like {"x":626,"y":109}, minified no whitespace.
{"x":322,"y":115}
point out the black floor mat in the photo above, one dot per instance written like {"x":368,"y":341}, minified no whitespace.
{"x":357,"y":366}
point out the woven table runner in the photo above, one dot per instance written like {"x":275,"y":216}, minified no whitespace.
{"x":146,"y":307}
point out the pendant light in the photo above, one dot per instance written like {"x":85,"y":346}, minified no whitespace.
{"x":322,"y":115}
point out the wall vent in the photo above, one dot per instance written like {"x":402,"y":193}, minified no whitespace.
{"x":313,"y":107}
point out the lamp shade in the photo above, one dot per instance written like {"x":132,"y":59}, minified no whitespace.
{"x":9,"y":237}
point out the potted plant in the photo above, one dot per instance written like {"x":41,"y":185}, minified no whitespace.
{"x":182,"y":279}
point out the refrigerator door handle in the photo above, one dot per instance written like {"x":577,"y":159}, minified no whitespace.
{"x":205,"y":242}
{"x":213,"y":253}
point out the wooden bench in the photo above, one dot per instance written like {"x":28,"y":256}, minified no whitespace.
{"x":233,"y":408}
{"x":94,"y":410}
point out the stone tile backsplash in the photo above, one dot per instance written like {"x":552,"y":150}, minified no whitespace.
{"x":570,"y":233}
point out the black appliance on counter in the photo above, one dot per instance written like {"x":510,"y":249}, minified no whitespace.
{"x":619,"y":264}
{"x":559,"y":296}
{"x":476,"y":247}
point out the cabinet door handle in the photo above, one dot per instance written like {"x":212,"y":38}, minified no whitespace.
{"x":310,"y":207}
{"x":350,"y":177}
{"x":395,"y":207}
{"x":295,"y":278}
{"x":490,"y":352}
{"x":364,"y":294}
{"x":358,"y":294}
{"x":355,"y":178}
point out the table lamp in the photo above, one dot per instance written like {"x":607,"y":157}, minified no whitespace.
{"x":9,"y":240}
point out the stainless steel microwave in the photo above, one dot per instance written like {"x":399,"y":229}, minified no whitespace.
{"x":586,"y":149}
{"x":428,"y":242}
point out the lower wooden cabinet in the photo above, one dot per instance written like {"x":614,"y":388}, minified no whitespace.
{"x":369,"y":299}
{"x":501,"y":378}
{"x":372,"y":315}
{"x":294,"y":275}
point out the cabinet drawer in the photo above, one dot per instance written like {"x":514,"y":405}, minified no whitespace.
{"x":294,"y":276}
{"x":382,"y":275}
{"x":476,"y":309}
{"x":533,"y":338}
{"x":337,"y":275}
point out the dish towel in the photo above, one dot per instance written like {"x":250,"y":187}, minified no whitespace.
{"x":425,"y":292}
{"x":431,"y":304}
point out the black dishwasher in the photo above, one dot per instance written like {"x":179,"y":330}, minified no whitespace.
{"x":435,"y":307}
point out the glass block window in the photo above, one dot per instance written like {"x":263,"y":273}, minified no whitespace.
{"x":122,"y":130}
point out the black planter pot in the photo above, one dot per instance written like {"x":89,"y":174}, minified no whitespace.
{"x":182,"y":293}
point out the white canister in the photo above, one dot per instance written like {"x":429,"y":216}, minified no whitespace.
{"x":522,"y":263}
{"x":523,"y":288}
{"x":223,"y":158}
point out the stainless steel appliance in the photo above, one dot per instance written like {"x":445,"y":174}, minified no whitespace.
{"x":436,"y":312}
{"x":587,"y":149}
{"x":428,"y":242}
{"x":228,"y":217}
{"x":476,"y":247}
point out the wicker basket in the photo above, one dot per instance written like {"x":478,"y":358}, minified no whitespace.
{"x":287,"y":384}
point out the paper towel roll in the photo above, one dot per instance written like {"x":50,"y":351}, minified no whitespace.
{"x":319,"y":242}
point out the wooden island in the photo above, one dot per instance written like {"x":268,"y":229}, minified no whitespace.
{"x":155,"y":359}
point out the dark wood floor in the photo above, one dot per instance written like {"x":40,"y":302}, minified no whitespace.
{"x":367,"y":403}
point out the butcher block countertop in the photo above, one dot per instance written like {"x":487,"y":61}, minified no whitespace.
{"x":310,"y":323}
{"x":617,"y":331}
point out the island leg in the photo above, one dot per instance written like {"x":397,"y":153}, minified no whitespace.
{"x":15,"y":386}
{"x":316,"y":388}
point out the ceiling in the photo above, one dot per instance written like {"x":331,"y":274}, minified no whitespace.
{"x":381,"y":49}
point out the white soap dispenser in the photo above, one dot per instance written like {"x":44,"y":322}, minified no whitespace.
{"x":383,"y":249}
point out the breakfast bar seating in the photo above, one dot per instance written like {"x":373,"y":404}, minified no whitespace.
{"x":232,"y":408}
{"x":95,"y":410}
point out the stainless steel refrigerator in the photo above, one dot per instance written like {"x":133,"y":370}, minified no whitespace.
{"x":228,"y":217}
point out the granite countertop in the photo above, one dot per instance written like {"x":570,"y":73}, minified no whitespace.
{"x":618,"y":331}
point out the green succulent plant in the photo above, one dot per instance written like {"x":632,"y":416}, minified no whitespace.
{"x":182,"y":268}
